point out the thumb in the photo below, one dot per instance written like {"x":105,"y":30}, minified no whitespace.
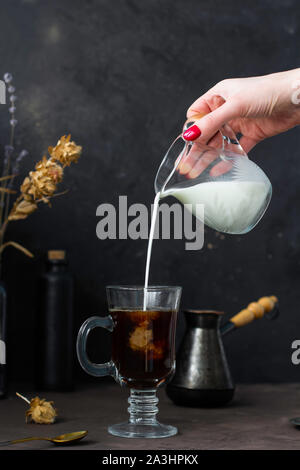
{"x":205,"y":128}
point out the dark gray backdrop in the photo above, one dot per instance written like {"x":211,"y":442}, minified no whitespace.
{"x":119,"y":75}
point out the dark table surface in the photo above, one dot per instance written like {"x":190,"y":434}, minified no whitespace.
{"x":258,"y":418}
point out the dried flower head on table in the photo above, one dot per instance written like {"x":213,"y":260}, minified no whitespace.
{"x":40,"y":410}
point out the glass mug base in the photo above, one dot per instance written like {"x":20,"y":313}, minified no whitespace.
{"x":133,"y":430}
{"x":142,"y":420}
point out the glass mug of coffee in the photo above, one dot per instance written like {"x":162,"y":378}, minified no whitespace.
{"x":143,"y":351}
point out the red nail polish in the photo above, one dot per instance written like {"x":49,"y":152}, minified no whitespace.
{"x":192,"y":133}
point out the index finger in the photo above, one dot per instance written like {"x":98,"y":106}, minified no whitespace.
{"x":198,"y":107}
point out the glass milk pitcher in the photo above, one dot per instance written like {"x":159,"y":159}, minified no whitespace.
{"x":234,"y":190}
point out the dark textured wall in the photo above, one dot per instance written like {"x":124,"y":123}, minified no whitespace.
{"x":119,"y":75}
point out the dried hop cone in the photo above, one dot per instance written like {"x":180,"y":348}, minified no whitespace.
{"x":65,"y":151}
{"x":40,"y":411}
{"x":42,"y":182}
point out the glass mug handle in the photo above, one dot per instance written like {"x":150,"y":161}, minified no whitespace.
{"x":228,"y":136}
{"x":97,"y":370}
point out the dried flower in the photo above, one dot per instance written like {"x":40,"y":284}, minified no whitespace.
{"x":65,"y":151}
{"x":7,"y":77}
{"x":22,"y":209}
{"x":40,"y":410}
{"x":41,"y":184}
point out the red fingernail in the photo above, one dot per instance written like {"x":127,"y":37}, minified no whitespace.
{"x":192,"y":133}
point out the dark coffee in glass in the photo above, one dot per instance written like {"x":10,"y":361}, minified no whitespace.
{"x":143,"y":346}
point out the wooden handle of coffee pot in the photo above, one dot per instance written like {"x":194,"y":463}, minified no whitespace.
{"x":254,"y":310}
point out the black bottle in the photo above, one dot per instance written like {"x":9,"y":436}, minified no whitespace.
{"x":55,"y":329}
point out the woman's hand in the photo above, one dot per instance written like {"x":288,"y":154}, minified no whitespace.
{"x":256,"y":107}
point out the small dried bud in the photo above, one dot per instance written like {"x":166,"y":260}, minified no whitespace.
{"x":22,"y":155}
{"x":8,"y":77}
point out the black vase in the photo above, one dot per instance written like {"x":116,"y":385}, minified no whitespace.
{"x":55,"y":348}
{"x":3,"y":340}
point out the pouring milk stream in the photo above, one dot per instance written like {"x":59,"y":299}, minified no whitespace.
{"x":235,"y":192}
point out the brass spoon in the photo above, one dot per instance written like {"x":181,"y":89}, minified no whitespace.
{"x":58,"y":440}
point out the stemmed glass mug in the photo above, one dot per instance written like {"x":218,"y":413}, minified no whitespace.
{"x":143,"y":352}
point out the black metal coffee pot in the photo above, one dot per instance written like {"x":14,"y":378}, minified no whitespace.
{"x":202,"y":377}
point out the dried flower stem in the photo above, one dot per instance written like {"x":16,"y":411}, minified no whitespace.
{"x":2,"y":230}
{"x":54,"y":195}
{"x":17,"y":246}
{"x":7,"y":205}
{"x":5,"y":198}
{"x":7,"y":177}
{"x":3,"y":191}
{"x":12,"y":131}
{"x":23,"y":398}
